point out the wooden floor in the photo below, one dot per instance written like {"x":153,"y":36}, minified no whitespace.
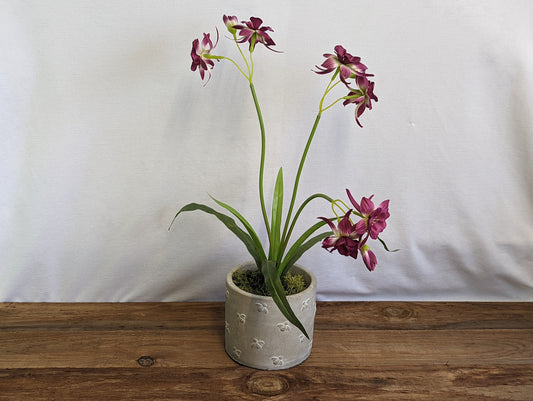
{"x":175,"y":351}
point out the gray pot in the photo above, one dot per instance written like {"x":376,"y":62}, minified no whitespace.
{"x":257,"y":333}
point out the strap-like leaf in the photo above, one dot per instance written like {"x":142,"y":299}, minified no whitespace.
{"x":277,"y":292}
{"x":294,"y":253}
{"x":275,"y":225}
{"x":385,"y":246}
{"x":247,"y":225}
{"x":287,"y":232}
{"x":293,"y":257}
{"x":229,"y":223}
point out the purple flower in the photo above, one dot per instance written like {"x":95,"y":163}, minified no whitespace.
{"x":350,"y":239}
{"x":374,"y":218}
{"x":344,"y":238}
{"x":362,"y":97}
{"x":199,"y":54}
{"x":230,"y":22}
{"x":349,"y":66}
{"x":369,"y":258}
{"x":252,"y":32}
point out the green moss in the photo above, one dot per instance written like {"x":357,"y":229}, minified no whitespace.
{"x":252,"y":281}
{"x":293,"y":283}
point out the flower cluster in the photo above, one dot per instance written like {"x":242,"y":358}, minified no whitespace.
{"x":351,"y":239}
{"x":350,"y":67}
{"x":249,"y":31}
{"x":342,"y":63}
{"x":200,"y":55}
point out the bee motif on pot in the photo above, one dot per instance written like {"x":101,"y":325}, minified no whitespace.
{"x":241,"y":317}
{"x":283,"y":326}
{"x":262,"y":308}
{"x":277,"y":360}
{"x":236,"y":352}
{"x":258,"y":344}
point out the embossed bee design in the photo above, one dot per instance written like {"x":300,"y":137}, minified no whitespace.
{"x":277,"y":360}
{"x":258,"y":344}
{"x":283,"y":326}
{"x":241,"y":317}
{"x":237,"y":352}
{"x":262,"y":307}
{"x":305,"y":304}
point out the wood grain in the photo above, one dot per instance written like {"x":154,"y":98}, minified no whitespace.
{"x":174,"y":351}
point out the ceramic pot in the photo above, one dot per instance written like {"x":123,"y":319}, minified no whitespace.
{"x":257,"y":334}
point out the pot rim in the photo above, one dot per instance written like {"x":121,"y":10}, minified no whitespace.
{"x":229,"y":282}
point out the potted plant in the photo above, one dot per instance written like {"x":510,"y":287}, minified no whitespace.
{"x":257,"y":292}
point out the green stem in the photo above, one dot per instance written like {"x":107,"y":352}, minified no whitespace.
{"x":286,"y":231}
{"x":249,"y":76}
{"x":285,"y":238}
{"x":329,"y":88}
{"x":232,"y":61}
{"x":262,"y":163}
{"x":251,"y":66}
{"x":334,"y":103}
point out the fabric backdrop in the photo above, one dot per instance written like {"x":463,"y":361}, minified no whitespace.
{"x":106,"y":133}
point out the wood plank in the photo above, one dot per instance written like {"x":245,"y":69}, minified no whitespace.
{"x":484,"y":383}
{"x":424,"y":315}
{"x":330,"y":315}
{"x":111,"y":316}
{"x":196,"y":348}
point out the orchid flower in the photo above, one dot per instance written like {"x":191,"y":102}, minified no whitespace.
{"x":350,"y":239}
{"x":230,"y":22}
{"x":362,"y":97}
{"x":200,"y":55}
{"x":373,"y":218}
{"x":344,"y":238}
{"x":368,"y":257}
{"x":349,"y":66}
{"x":252,"y":32}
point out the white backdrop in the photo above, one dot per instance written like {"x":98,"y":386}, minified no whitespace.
{"x":106,"y":133}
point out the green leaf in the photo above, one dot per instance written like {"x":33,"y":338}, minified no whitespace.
{"x":229,"y":223}
{"x":301,"y":246}
{"x":273,"y":282}
{"x":287,"y":232}
{"x":248,"y":226}
{"x":275,"y":225}
{"x":385,"y":246}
